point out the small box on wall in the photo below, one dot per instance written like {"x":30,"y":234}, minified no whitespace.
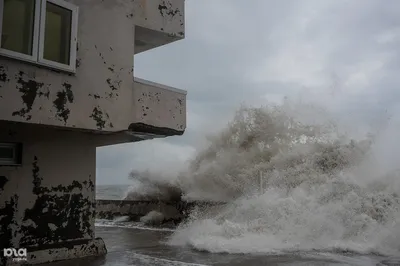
{"x":10,"y":154}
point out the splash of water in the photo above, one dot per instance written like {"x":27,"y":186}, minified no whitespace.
{"x":153,"y":186}
{"x":293,"y":182}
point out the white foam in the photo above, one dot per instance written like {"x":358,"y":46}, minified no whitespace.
{"x":293,"y":182}
{"x":121,"y":219}
{"x":153,"y":261}
{"x":131,"y":225}
{"x":320,"y":191}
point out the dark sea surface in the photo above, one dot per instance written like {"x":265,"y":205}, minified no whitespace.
{"x":135,"y":244}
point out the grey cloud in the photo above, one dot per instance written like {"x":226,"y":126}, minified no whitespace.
{"x":343,"y":54}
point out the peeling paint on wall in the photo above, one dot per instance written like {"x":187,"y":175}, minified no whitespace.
{"x":41,"y":95}
{"x":111,"y":85}
{"x":3,"y":78}
{"x":3,"y":181}
{"x":166,"y":9}
{"x":30,"y":89}
{"x":3,"y":75}
{"x":60,"y":102}
{"x":59,"y":213}
{"x":97,"y":116}
{"x":95,"y":96}
{"x":48,"y":203}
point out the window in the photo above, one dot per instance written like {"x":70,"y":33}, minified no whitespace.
{"x":10,"y":154}
{"x":39,"y":31}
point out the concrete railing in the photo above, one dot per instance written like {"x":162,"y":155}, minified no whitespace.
{"x":158,"y":22}
{"x":158,"y":109}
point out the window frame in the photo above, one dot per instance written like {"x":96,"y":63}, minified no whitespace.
{"x":73,"y":38}
{"x":39,"y":36}
{"x":35,"y":39}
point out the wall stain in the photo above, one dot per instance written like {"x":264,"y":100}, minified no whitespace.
{"x":95,"y":96}
{"x":3,"y":77}
{"x":3,"y":182}
{"x":97,"y":116}
{"x":63,"y":97}
{"x":78,"y":62}
{"x":101,"y":55}
{"x":167,"y":9}
{"x":70,"y":212}
{"x":30,"y":90}
{"x":114,"y":85}
{"x":110,"y":95}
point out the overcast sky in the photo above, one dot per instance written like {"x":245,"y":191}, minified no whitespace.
{"x":343,"y":54}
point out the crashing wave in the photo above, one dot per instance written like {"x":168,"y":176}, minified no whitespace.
{"x":292,"y":181}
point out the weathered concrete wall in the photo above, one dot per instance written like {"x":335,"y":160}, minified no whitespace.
{"x":50,"y":198}
{"x":158,"y":22}
{"x":161,"y":15}
{"x":159,"y":106}
{"x":99,"y":95}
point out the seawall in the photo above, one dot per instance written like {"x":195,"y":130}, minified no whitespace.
{"x":173,"y":211}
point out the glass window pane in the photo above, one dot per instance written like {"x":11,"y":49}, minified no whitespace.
{"x":18,"y":24}
{"x":57,"y":37}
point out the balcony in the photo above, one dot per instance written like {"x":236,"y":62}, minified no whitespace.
{"x":158,"y":110}
{"x":100,"y":97}
{"x":158,"y":22}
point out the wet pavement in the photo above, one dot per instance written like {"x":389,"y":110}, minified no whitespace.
{"x":127,"y":246}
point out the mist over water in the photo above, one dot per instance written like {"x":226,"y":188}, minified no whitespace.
{"x":292,"y":182}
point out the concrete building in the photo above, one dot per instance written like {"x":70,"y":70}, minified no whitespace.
{"x":67,"y":87}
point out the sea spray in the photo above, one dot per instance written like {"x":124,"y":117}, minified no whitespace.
{"x":274,"y":142}
{"x":321,"y":189}
{"x":149,"y":185}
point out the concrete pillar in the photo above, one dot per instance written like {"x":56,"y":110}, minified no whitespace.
{"x":47,"y":204}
